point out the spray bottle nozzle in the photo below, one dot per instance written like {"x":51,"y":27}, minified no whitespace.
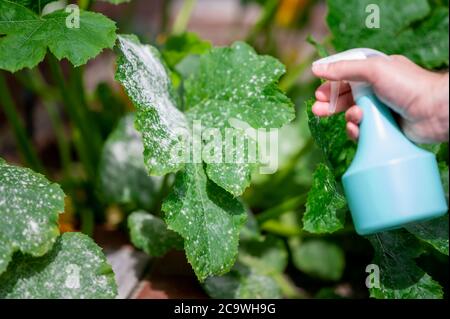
{"x":349,"y":55}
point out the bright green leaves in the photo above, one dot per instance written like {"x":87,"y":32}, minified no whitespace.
{"x":229,"y":88}
{"x":179,"y":46}
{"x":150,"y":234}
{"x":326,"y":206}
{"x":400,"y":277}
{"x":208,"y":218}
{"x":27,"y":36}
{"x":34,"y":5}
{"x":122,"y":161}
{"x":318,"y":258}
{"x":412,"y":30}
{"x":234,"y":87}
{"x":144,"y":76}
{"x":74,"y":268}
{"x":29,"y":208}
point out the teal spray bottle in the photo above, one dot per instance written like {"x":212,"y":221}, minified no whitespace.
{"x":391,"y":182}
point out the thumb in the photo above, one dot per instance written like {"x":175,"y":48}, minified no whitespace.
{"x":359,"y":70}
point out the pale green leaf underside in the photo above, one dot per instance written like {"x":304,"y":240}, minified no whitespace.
{"x":400,"y":277}
{"x":27,"y":36}
{"x":235,"y":83}
{"x":150,"y":234}
{"x":145,"y":78}
{"x":75,"y":268}
{"x":29,"y":208}
{"x":325,"y":211}
{"x":208,"y":218}
{"x":123,"y":176}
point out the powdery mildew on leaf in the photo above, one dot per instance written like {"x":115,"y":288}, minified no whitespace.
{"x":74,"y":268}
{"x":145,"y":78}
{"x":208,"y":218}
{"x":325,"y":206}
{"x":27,"y":36}
{"x":123,"y":176}
{"x":234,"y":83}
{"x":150,"y":234}
{"x":29,"y":208}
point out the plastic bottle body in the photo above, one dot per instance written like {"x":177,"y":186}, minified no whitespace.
{"x":391,"y":182}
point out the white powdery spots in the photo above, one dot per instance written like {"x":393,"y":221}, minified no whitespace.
{"x":29,"y":208}
{"x":143,"y":75}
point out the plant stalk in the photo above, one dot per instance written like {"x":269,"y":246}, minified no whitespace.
{"x":183,"y":17}
{"x":284,"y":207}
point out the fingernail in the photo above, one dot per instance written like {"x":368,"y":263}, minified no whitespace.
{"x":319,"y":68}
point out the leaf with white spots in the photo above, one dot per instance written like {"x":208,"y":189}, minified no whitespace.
{"x":150,"y":234}
{"x":233,"y":87}
{"x":29,"y":208}
{"x":123,"y":178}
{"x":208,"y":218}
{"x":145,"y":78}
{"x":75,"y":268}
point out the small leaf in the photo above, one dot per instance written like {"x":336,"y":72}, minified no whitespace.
{"x":325,"y":206}
{"x":400,"y":277}
{"x":29,"y":208}
{"x":236,"y":84}
{"x":318,"y":258}
{"x":434,"y":232}
{"x":27,"y":36}
{"x":253,"y":275}
{"x":208,"y":218}
{"x":122,"y":161}
{"x":75,"y":268}
{"x":145,"y":78}
{"x":242,"y":282}
{"x":150,"y":234}
{"x":331,"y":137}
{"x":179,"y":46}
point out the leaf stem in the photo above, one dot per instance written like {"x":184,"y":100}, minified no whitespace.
{"x":266,"y":17}
{"x":26,"y":148}
{"x":183,"y":16}
{"x":288,"y":288}
{"x":284,"y":207}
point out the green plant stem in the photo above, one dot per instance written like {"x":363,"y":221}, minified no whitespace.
{"x":267,"y":15}
{"x":288,"y":288}
{"x":84,"y":4}
{"x":82,"y":142}
{"x":291,"y":77}
{"x":183,"y":17}
{"x":284,"y":207}
{"x":26,"y":148}
{"x":281,"y":229}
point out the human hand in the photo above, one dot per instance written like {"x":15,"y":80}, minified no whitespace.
{"x":420,"y":97}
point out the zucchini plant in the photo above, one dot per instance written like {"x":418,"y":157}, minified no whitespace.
{"x":241,"y":231}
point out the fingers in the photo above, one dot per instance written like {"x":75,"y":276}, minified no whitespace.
{"x":321,"y":108}
{"x":354,"y":114}
{"x":360,"y":70}
{"x":323,"y":92}
{"x":352,"y":131}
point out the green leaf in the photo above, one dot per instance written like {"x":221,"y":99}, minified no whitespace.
{"x":400,"y":277}
{"x":208,"y":218}
{"x":123,"y":178}
{"x":27,"y":36}
{"x":242,"y":282}
{"x":29,"y":208}
{"x":34,"y":5}
{"x":318,"y":258}
{"x":145,"y":78}
{"x":234,"y":83}
{"x":74,"y":268}
{"x":411,"y":29}
{"x":179,"y":46}
{"x":434,"y":232}
{"x":325,"y":206}
{"x":150,"y":234}
{"x":443,"y":170}
{"x":254,"y":274}
{"x":331,"y":137}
